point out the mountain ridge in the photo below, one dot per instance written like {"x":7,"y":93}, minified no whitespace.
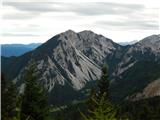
{"x":70,"y":60}
{"x":9,"y":50}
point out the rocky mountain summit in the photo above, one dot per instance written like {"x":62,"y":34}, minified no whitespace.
{"x":69,"y":62}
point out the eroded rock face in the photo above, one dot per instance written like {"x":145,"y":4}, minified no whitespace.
{"x":152,"y":41}
{"x":138,"y":66}
{"x":147,"y":49}
{"x":70,"y":60}
{"x":72,"y":57}
{"x":61,"y":61}
{"x":96,"y":47}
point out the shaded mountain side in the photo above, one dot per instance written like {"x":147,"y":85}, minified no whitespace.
{"x":63,"y":95}
{"x":137,"y":53}
{"x":134,"y":79}
{"x":145,"y":109}
{"x":67,"y":62}
{"x":139,"y":65}
{"x":63,"y":47}
{"x":59,"y":63}
{"x":151,"y":90}
{"x":11,"y":66}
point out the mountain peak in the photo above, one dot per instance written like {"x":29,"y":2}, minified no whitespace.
{"x":153,"y":39}
{"x":69,"y":32}
{"x":70,"y":61}
{"x":87,"y":31}
{"x":152,"y":42}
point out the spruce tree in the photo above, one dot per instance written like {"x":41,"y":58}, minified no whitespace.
{"x":103,"y":83}
{"x":100,"y":106}
{"x":3,"y":97}
{"x":8,"y":99}
{"x":102,"y":88}
{"x":35,"y":101}
{"x":104,"y":110}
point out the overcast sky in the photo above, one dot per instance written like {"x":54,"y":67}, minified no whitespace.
{"x":120,"y":20}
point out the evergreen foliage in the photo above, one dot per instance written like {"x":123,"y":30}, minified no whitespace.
{"x":8,"y":100}
{"x":33,"y":104}
{"x":145,"y":109}
{"x":103,"y":83}
{"x":100,"y":107}
{"x":104,"y":110}
{"x":34,"y":101}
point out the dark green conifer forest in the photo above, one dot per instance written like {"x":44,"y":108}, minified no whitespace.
{"x":32,"y":104}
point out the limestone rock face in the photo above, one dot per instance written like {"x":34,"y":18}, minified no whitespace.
{"x":70,"y":61}
{"x":72,"y":58}
{"x":139,"y":65}
{"x":60,"y":61}
{"x":147,"y":49}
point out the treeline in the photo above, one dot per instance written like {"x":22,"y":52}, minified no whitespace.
{"x":100,"y":107}
{"x":145,"y":109}
{"x":33,"y":103}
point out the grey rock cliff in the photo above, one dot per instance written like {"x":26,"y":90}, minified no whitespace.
{"x":69,"y":61}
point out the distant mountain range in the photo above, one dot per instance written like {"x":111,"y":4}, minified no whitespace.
{"x":128,"y":43}
{"x":17,"y":49}
{"x":9,"y":50}
{"x":70,"y":63}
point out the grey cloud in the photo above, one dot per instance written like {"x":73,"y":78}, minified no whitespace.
{"x":28,"y":10}
{"x":105,"y":8}
{"x":18,"y":35}
{"x":130,"y":24}
{"x":28,"y":0}
{"x":33,"y":9}
{"x":78,"y":8}
{"x":20,"y":16}
{"x":32,"y":6}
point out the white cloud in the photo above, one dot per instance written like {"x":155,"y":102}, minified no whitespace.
{"x":26,"y":22}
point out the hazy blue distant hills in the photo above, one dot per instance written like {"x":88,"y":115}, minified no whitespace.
{"x":128,"y":43}
{"x":8,"y":50}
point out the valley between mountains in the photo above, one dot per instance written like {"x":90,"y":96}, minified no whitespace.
{"x":69,"y":64}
